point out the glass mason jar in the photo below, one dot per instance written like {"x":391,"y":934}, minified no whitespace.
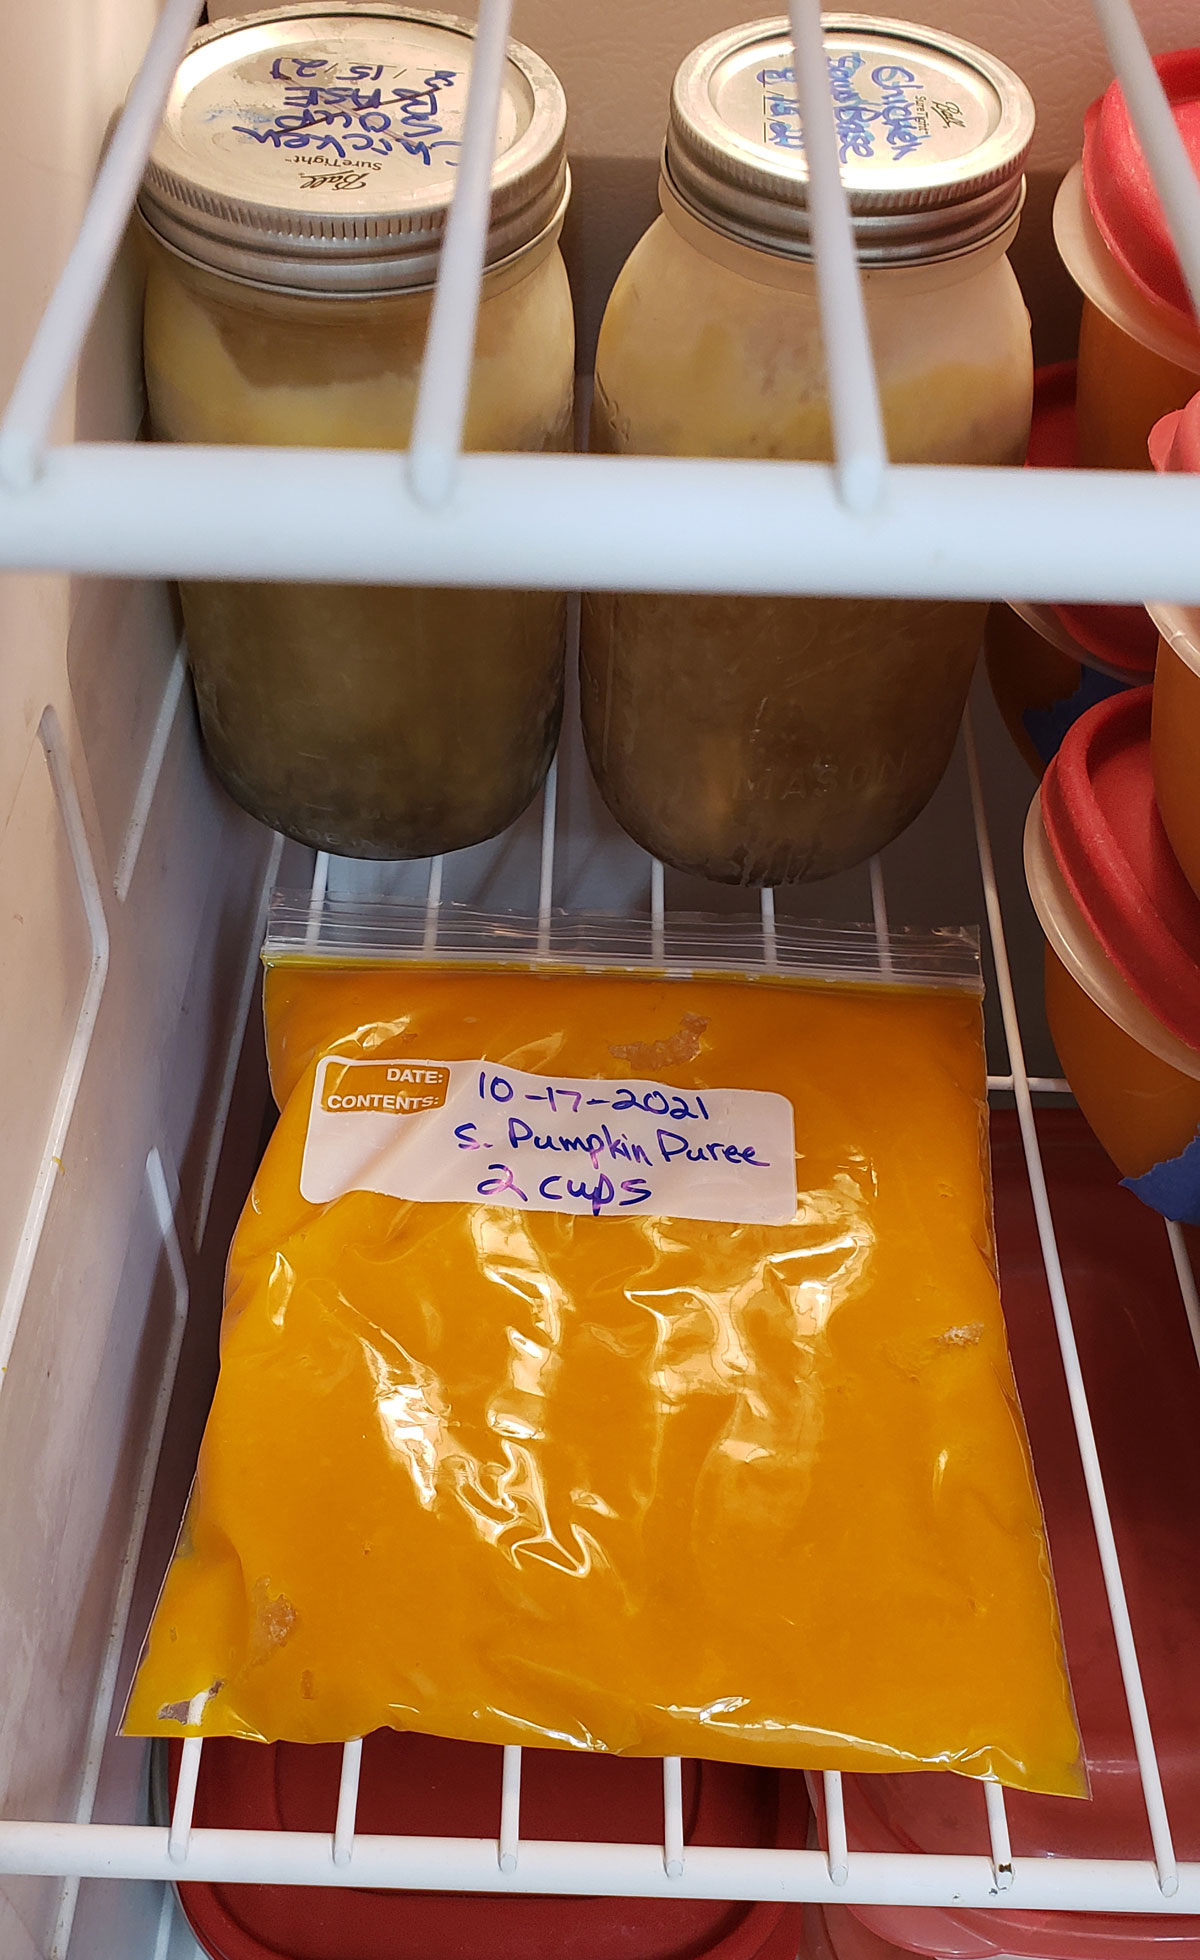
{"x":295,"y":201}
{"x":765,"y":740}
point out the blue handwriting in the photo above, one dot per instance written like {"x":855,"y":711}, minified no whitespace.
{"x":367,"y":120}
{"x":891,"y":113}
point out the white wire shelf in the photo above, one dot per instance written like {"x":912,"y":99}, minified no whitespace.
{"x":601,"y":522}
{"x":508,"y":1861}
{"x":858,"y":526}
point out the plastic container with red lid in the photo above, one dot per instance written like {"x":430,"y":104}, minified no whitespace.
{"x":1116,"y":640}
{"x":1139,"y":343}
{"x":1039,"y":679}
{"x":1048,"y":664}
{"x":421,"y":1785}
{"x":1175,"y":726}
{"x":1122,"y":929}
{"x":1144,"y":1392}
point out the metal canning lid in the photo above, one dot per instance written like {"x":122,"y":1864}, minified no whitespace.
{"x":932,"y":133}
{"x":313,"y":148}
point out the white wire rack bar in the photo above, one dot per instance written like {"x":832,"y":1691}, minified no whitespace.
{"x":597,"y":522}
{"x":1114,"y":1585}
{"x":509,"y":1847}
{"x":1160,"y":139}
{"x":179,"y":1836}
{"x":855,"y":414}
{"x":343,"y":1830}
{"x":834,"y":1874}
{"x":837,"y":1853}
{"x":674,"y":1850}
{"x":859,"y":527}
{"x":441,"y":410}
{"x":1040,"y":1085}
{"x":446,"y":1864}
{"x":997,"y":1817}
{"x":71,"y":308}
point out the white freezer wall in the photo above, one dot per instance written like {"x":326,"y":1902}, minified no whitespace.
{"x":616,"y":59}
{"x":129,"y":893}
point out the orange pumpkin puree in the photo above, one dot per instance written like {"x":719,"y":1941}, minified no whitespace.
{"x":643,"y":1484}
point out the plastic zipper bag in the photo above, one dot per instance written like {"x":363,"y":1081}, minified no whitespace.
{"x":613,"y":1359}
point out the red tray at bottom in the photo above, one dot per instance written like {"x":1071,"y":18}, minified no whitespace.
{"x":418,"y":1785}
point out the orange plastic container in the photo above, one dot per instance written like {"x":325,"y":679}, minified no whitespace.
{"x":1041,"y":679}
{"x":1175,"y":734}
{"x":1139,"y":345}
{"x":1117,"y":640}
{"x":1032,"y":678}
{"x":1136,"y":1352}
{"x":1122,"y":931}
{"x":1048,"y":664}
{"x":1175,"y":725}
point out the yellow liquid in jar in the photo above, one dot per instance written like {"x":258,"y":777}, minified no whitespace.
{"x":377,"y":721}
{"x":762,"y":740}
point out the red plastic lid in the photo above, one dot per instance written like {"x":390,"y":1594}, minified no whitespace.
{"x":1175,"y":441}
{"x":1120,"y":190}
{"x":1123,"y":637}
{"x":1105,"y":831}
{"x":418,"y":1785}
{"x":1052,"y":433}
{"x":1144,"y":1392}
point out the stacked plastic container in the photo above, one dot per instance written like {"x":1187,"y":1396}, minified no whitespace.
{"x":1139,"y":359}
{"x":1175,"y":723}
{"x":1112,"y":844}
{"x":1139,"y":1364}
{"x":1049,"y":663}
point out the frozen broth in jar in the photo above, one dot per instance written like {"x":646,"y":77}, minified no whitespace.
{"x":764,"y":740}
{"x":295,"y":201}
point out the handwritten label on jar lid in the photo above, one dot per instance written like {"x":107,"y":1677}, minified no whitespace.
{"x":892,"y":106}
{"x":885,"y":111}
{"x":932,"y":135}
{"x":316,"y":107}
{"x":338,"y":128}
{"x":477,"y":1133}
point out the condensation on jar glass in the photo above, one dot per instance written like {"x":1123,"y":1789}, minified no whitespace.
{"x":295,"y":202}
{"x":765,"y":740}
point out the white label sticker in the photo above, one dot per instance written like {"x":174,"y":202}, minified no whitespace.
{"x":472,"y":1132}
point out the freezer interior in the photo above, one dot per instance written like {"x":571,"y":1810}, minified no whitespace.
{"x":134,"y":896}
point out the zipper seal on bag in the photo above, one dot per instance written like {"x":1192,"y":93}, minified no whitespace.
{"x":382,"y":932}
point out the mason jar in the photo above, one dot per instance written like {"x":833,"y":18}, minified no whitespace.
{"x":763,"y":740}
{"x":295,"y":202}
